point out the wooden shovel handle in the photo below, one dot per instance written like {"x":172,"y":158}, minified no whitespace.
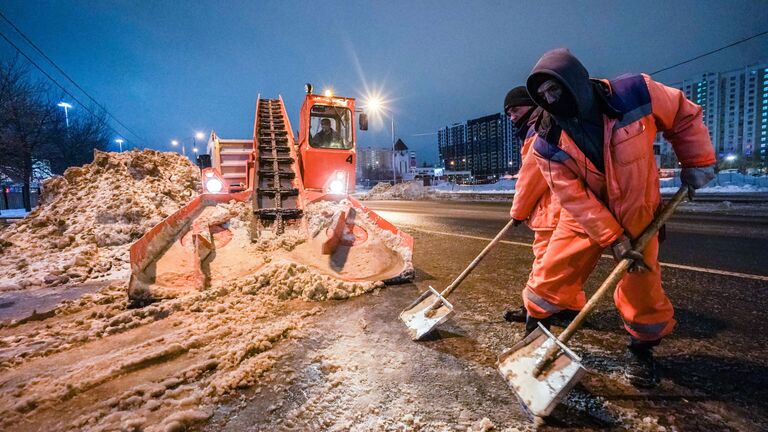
{"x":477,"y":259}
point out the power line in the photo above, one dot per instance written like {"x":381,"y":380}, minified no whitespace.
{"x":52,"y":79}
{"x":69,"y":78}
{"x":710,"y":52}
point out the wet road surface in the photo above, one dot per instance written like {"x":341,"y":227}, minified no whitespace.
{"x":355,"y":368}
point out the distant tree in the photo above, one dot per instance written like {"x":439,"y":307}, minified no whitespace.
{"x":74,"y":146}
{"x":34,"y":135}
{"x":27,"y":118}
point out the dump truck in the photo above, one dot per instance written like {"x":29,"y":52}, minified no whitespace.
{"x":275,"y":178}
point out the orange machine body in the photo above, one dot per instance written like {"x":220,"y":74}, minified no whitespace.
{"x":321,"y":166}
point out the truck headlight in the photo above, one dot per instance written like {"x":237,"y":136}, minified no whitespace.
{"x":336,"y":187}
{"x":213,"y":185}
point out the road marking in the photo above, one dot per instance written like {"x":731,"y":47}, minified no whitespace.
{"x":670,"y":265}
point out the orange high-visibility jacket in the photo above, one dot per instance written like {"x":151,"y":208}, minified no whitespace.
{"x":533,"y":200}
{"x":626,"y":197}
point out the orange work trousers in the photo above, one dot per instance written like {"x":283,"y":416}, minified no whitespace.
{"x":558,"y":276}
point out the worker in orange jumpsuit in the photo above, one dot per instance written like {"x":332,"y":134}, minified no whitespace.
{"x":533,"y":202}
{"x":596,"y":152}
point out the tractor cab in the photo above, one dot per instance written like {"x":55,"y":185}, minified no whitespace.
{"x":327,"y":143}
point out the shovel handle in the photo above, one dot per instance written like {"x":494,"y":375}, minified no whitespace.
{"x":447,"y":291}
{"x":613,"y":279}
{"x":477,"y":259}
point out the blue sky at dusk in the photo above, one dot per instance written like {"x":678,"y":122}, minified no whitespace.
{"x":168,"y":68}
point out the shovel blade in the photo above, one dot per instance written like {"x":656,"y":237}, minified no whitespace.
{"x":540,"y":395}
{"x":421,"y":318}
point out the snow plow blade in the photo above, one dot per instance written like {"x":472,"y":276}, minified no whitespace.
{"x":145,"y":252}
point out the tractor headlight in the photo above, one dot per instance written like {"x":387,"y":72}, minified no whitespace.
{"x":213,"y":185}
{"x":336,"y":187}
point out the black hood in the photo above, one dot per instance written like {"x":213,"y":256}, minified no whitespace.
{"x":579,"y":110}
{"x":561,"y":65}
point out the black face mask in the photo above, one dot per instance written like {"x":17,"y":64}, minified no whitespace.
{"x":565,"y":106}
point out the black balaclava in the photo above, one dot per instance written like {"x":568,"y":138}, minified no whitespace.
{"x":578,"y":111}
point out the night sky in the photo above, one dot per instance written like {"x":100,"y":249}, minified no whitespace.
{"x":169,"y":68}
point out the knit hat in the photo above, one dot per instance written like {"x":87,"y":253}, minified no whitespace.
{"x":518,"y":96}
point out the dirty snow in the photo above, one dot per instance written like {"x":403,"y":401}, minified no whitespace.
{"x":88,"y":218}
{"x":95,"y":363}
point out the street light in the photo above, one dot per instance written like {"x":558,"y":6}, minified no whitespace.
{"x":120,"y":142}
{"x":175,"y":143}
{"x":66,"y":107}
{"x":375,"y":105}
{"x":198,"y":136}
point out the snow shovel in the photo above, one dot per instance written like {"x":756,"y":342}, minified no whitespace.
{"x":541,"y":369}
{"x":432,"y":308}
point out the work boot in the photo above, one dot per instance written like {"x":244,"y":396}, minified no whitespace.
{"x":532,"y":324}
{"x":640,"y":368}
{"x":516,"y":315}
{"x":564,"y":317}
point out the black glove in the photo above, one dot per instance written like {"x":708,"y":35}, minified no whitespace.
{"x":696,"y":178}
{"x":622,"y":249}
{"x":516,"y":222}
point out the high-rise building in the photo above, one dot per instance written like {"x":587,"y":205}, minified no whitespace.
{"x":486,"y":146}
{"x":735,"y":110}
{"x":452,"y":145}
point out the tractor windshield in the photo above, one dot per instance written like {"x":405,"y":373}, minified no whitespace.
{"x":330,"y":127}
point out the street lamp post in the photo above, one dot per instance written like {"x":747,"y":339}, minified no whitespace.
{"x":394,"y":176}
{"x":198,"y":136}
{"x":66,"y":107}
{"x":120,"y":142}
{"x":175,"y":143}
{"x":195,"y":137}
{"x":375,"y":105}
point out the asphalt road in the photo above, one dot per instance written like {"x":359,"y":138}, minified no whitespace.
{"x":732,"y":241}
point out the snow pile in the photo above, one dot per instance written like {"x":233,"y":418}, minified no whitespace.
{"x":88,"y":218}
{"x":286,"y":279}
{"x":376,"y":191}
{"x":412,"y":190}
{"x":724,"y":182}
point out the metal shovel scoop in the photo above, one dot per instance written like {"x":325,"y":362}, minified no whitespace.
{"x":541,"y":369}
{"x":432,"y":308}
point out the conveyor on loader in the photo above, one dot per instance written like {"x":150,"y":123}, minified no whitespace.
{"x":276,"y":200}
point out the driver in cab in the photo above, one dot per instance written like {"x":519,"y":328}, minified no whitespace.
{"x":326,"y":137}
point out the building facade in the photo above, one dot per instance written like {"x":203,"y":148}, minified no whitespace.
{"x":376,"y":164}
{"x":487,"y":146}
{"x":735,"y":109}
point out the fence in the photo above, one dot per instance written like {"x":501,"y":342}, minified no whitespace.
{"x":13,"y":200}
